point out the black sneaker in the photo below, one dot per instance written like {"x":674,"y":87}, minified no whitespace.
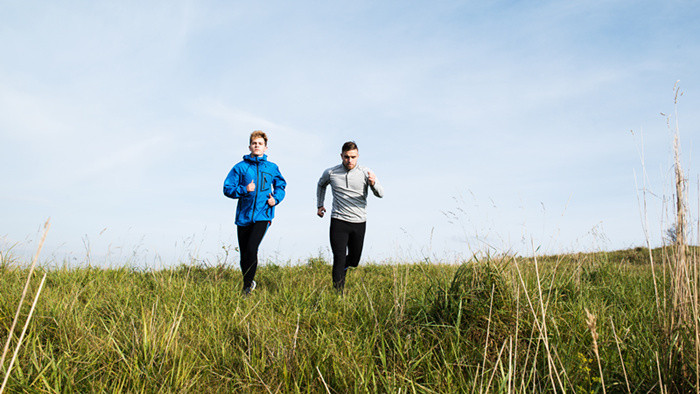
{"x":249,"y":289}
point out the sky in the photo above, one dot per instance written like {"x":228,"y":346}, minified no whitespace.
{"x":494,"y":127}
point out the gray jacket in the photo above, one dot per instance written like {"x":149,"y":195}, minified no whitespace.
{"x":349,"y":192}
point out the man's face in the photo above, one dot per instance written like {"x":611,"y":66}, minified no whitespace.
{"x":257,"y":146}
{"x":349,"y":158}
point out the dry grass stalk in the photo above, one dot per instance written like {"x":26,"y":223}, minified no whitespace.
{"x":495,"y":367}
{"x":683,"y":314}
{"x":21,"y":337}
{"x":619,"y":351}
{"x":551,"y":364}
{"x":591,"y":322}
{"x":296,"y":334}
{"x":681,"y":276}
{"x":511,"y":364}
{"x":323,"y":380}
{"x":541,"y":326}
{"x":257,"y":375}
{"x":645,"y":224}
{"x":696,"y":315}
{"x":47,"y":225}
{"x":488,"y":332}
{"x":662,"y":388}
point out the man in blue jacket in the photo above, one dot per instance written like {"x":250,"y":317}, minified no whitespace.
{"x":259,"y":187}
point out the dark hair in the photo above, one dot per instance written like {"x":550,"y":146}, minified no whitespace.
{"x":350,"y":145}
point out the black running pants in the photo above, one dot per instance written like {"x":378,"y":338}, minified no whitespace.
{"x":346,"y":243}
{"x":249,"y":238}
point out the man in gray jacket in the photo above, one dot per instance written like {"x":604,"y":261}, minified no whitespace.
{"x":349,"y":185}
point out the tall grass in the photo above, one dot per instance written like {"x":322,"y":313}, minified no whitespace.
{"x":497,"y":324}
{"x":19,"y":309}
{"x":682,"y":315}
{"x":676,"y":285}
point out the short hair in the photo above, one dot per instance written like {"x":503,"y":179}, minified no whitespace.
{"x":350,"y":145}
{"x":258,"y":134}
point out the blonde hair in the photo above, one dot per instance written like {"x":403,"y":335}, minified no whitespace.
{"x":258,"y":134}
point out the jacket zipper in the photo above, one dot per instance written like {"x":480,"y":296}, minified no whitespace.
{"x":257,"y":186}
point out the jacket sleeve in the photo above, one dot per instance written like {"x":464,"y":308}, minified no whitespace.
{"x":323,"y":182}
{"x":377,"y":189}
{"x":278,"y":184}
{"x":233,"y":187}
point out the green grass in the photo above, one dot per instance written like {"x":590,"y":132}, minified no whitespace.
{"x":480,"y":326}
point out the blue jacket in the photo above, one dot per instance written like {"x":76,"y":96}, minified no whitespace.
{"x":252,"y":206}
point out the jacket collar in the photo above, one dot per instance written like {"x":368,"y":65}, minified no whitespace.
{"x":255,"y":159}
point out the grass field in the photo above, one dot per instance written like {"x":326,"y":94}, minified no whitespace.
{"x":575,"y":323}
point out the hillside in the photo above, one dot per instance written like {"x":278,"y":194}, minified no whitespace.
{"x":490,"y":325}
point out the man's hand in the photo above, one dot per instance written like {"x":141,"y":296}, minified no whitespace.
{"x":270,"y":200}
{"x":321,"y":211}
{"x":371,"y":178}
{"x":251,"y":186}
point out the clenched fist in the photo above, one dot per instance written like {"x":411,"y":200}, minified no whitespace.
{"x":371,"y":178}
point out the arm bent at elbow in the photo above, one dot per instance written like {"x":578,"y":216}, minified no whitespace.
{"x":279,"y":185}
{"x":377,"y":189}
{"x":232,"y":185}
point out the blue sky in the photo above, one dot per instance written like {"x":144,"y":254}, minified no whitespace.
{"x":493,"y":126}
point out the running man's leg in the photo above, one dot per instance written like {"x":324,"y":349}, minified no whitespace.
{"x":249,"y":238}
{"x":339,"y":235}
{"x":355,"y":242}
